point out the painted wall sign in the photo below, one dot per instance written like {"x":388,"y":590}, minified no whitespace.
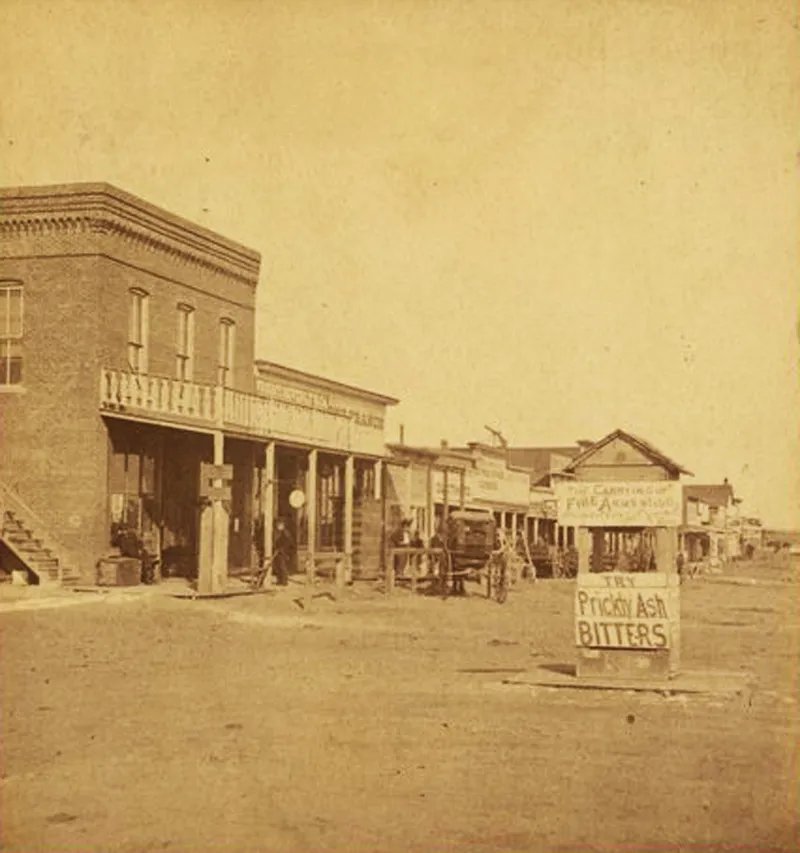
{"x":322,"y":417}
{"x":489,"y":482}
{"x":626,"y":611}
{"x":363,"y":413}
{"x":619,"y":504}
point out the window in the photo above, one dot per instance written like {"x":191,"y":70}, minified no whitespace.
{"x":137,"y":332}
{"x":10,"y":333}
{"x":330,"y":504}
{"x":227,"y":331}
{"x":184,"y":354}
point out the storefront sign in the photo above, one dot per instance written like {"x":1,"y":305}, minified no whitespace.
{"x":322,"y":401}
{"x":625,"y":611}
{"x":485,"y":484}
{"x":619,"y":504}
{"x":322,"y":417}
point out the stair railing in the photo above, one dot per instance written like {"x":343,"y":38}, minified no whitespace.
{"x":9,"y":499}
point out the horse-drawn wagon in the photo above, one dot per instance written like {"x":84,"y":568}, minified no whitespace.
{"x":472,"y":552}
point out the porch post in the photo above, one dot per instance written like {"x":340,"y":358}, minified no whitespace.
{"x":205,"y":555}
{"x":349,"y":480}
{"x":219,"y":571}
{"x":666,"y":562}
{"x":311,"y":520}
{"x":378,"y":479}
{"x":462,"y":489}
{"x":584,"y":545}
{"x":311,"y":501}
{"x":268,"y":501}
{"x":429,"y":526}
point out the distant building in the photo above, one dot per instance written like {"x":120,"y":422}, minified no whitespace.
{"x":544,"y":462}
{"x":514,"y":483}
{"x":711,"y":529}
{"x":424,"y":482}
{"x":751,"y":535}
{"x":545,"y":466}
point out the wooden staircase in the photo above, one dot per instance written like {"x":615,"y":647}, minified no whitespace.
{"x":367,"y":539}
{"x":23,"y":534}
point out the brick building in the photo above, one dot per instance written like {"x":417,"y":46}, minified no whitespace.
{"x":126,"y":361}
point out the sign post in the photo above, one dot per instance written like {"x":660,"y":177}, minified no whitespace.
{"x":215,"y":492}
{"x":627,"y":623}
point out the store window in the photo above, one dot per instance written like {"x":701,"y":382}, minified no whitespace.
{"x":138,"y":328}
{"x":132,"y":483}
{"x":364,"y":481}
{"x":184,"y":349}
{"x":227,"y":336}
{"x":10,"y":333}
{"x":330,"y":504}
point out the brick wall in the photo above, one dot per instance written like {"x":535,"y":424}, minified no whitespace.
{"x":77,"y":271}
{"x":52,"y":441}
{"x":116,"y":281}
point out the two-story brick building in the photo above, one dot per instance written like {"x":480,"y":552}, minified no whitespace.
{"x":126,"y":361}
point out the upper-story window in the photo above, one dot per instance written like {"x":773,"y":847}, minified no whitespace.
{"x":138,"y":331}
{"x":10,"y":333}
{"x":227,"y":336}
{"x":184,"y":350}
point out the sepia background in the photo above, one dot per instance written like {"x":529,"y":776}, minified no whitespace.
{"x":553,"y":218}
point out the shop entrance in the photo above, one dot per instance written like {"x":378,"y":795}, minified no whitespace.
{"x":291,"y":471}
{"x":153,"y":478}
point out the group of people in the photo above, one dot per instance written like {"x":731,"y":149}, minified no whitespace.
{"x":404,"y":536}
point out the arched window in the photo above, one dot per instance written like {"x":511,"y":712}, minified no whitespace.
{"x":227,"y":343}
{"x":10,"y":333}
{"x":184,"y":348}
{"x":138,"y":328}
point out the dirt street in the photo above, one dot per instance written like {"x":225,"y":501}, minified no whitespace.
{"x":138,"y":722}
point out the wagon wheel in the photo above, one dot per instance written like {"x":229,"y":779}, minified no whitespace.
{"x":444,"y":575}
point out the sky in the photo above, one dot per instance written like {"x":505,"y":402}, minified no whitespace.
{"x":552,"y":218}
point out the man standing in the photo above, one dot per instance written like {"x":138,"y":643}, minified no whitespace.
{"x":282,"y":550}
{"x":401,"y":538}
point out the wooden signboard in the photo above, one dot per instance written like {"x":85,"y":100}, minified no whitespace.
{"x":620,"y":504}
{"x":210,"y":475}
{"x":617,"y":610}
{"x":627,"y":623}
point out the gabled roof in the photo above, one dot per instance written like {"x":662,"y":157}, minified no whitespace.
{"x":640,"y":444}
{"x":717,"y":495}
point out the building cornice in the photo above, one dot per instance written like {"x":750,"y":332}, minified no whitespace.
{"x":101,"y":209}
{"x":269,"y":370}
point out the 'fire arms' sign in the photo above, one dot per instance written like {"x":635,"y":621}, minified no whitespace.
{"x":620,"y":504}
